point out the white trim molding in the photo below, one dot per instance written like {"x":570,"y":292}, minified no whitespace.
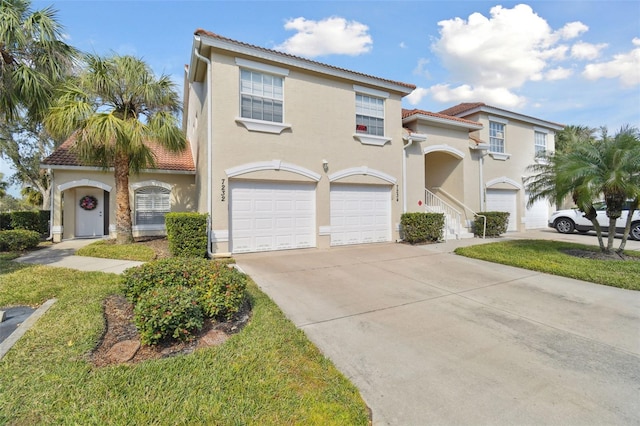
{"x":219,"y":235}
{"x":261,"y":66}
{"x":444,"y":148}
{"x":272,"y":165}
{"x":503,"y":179}
{"x":147,"y":183}
{"x":364,"y":170}
{"x":502,"y":156}
{"x":262,"y":126}
{"x":84,"y":182}
{"x":365,"y":139}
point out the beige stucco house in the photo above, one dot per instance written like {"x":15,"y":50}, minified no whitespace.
{"x":287,"y":152}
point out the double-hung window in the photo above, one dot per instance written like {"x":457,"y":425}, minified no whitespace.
{"x":261,"y":96}
{"x":152,"y":203}
{"x":369,"y":115}
{"x":540,"y":142}
{"x":496,"y":137}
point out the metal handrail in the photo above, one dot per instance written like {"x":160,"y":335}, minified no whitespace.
{"x":450,"y":213}
{"x":464,"y":206}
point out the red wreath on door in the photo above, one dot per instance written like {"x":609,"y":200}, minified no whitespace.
{"x":88,"y":202}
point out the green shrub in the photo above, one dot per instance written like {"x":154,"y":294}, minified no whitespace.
{"x":497,"y":223}
{"x":18,"y":240}
{"x":168,"y":312}
{"x":422,"y":227}
{"x":174,"y":271}
{"x":30,"y":220}
{"x":187,"y":234}
{"x":5,"y":221}
{"x":221,"y":296}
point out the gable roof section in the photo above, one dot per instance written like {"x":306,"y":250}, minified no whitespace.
{"x":418,"y":114}
{"x":64,"y":157}
{"x":468,"y":108}
{"x":207,"y":38}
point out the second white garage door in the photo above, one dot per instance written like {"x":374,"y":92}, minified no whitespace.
{"x":504,"y":200}
{"x":537,"y":215}
{"x":360,"y":214}
{"x":272,"y":216}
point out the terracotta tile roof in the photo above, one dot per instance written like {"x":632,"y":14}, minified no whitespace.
{"x":165,"y":160}
{"x":461,"y":108}
{"x":200,"y":31}
{"x":409,"y":112}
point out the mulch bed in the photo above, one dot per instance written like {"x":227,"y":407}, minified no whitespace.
{"x":596,"y":255}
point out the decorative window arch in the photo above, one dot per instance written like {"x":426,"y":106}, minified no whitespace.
{"x":272,"y":165}
{"x":444,"y":148}
{"x":84,"y":182}
{"x":152,"y":201}
{"x":504,"y":179}
{"x":366,"y":171}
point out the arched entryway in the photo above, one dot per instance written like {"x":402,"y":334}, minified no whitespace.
{"x":85,"y":208}
{"x":444,"y":172}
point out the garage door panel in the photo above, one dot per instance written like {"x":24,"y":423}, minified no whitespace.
{"x":360,"y":214}
{"x":503,"y":200}
{"x":272,"y":216}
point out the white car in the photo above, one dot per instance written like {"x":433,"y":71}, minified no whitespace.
{"x":566,"y":221}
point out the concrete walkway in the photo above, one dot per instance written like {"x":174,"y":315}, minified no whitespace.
{"x":430,"y":337}
{"x":63,"y":255}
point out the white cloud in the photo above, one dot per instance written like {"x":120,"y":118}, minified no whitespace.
{"x":624,"y":66}
{"x":498,"y":96}
{"x":421,"y":68}
{"x":334,"y":35}
{"x":416,"y":96}
{"x":558,"y":73}
{"x":572,"y":30}
{"x":588,"y":51}
{"x":402,"y":45}
{"x":493,"y":56}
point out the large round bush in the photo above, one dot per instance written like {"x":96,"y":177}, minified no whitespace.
{"x":168,"y":312}
{"x":18,"y":240}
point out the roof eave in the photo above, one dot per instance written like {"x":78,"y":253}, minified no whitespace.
{"x":439,"y":120}
{"x":277,"y":57}
{"x":513,"y":115}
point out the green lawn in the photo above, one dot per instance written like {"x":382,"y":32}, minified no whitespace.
{"x":268,"y":374}
{"x":108,"y":250}
{"x":549,"y":257}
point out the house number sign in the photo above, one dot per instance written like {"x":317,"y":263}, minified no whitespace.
{"x":223,"y":191}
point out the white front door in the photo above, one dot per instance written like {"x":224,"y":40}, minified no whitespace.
{"x":504,"y":200}
{"x":89,"y":222}
{"x":272,"y":216}
{"x":360,"y":214}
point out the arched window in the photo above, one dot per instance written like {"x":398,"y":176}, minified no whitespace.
{"x":151,"y":204}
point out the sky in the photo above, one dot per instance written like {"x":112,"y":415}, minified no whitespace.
{"x":569,"y":62}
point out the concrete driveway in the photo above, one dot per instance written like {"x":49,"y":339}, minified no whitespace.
{"x":430,"y":337}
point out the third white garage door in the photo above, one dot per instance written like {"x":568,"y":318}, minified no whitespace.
{"x":272,"y":216}
{"x":504,"y":200}
{"x":360,"y":214}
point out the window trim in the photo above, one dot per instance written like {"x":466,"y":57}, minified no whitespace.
{"x":365,"y":138}
{"x":151,"y":185}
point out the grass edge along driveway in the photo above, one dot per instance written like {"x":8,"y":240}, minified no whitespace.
{"x":550,"y":257}
{"x":268,"y":374}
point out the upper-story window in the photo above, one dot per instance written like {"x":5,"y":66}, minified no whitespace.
{"x":496,"y":136}
{"x":369,"y":115}
{"x":540,"y":142}
{"x":261,"y":96}
{"x":152,"y":203}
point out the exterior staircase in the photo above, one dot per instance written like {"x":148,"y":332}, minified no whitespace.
{"x":453,"y":227}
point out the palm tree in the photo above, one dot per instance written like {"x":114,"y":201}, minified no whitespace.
{"x":33,"y":58}
{"x":607,"y":168}
{"x":573,"y":135}
{"x":114,"y":109}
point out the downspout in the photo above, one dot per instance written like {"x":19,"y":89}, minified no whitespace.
{"x":404,"y":174}
{"x":51,"y":186}
{"x":209,"y":146}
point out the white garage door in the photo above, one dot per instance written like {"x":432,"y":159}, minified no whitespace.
{"x":360,"y":214}
{"x":272,"y":216}
{"x":504,"y":200}
{"x":537,"y":215}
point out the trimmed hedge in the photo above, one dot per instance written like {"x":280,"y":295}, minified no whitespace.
{"x":30,"y":220}
{"x":497,"y":223}
{"x":422,"y":227}
{"x":219,"y":292}
{"x":18,"y":240}
{"x":187,"y":234}
{"x":168,"y":312}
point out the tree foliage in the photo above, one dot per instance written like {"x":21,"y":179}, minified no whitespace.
{"x":33,"y":58}
{"x":592,"y":170}
{"x":115,"y":110}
